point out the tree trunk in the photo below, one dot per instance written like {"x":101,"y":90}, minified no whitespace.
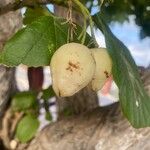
{"x":100,"y":129}
{"x":9,"y":24}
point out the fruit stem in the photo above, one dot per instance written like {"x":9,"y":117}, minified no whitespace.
{"x":83,"y":33}
{"x":87,"y":15}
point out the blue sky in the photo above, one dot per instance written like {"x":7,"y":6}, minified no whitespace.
{"x":128,"y":33}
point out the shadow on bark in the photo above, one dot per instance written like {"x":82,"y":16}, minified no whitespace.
{"x":103,"y":128}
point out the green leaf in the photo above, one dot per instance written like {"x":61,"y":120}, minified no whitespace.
{"x":35,"y":44}
{"x":23,"y":101}
{"x":48,"y":116}
{"x":48,"y":93}
{"x":27,"y":128}
{"x":32,"y":14}
{"x":134,"y":100}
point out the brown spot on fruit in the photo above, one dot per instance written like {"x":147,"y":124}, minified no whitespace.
{"x":59,"y":94}
{"x":106,"y":74}
{"x":93,"y":78}
{"x":69,"y":68}
{"x":76,"y":66}
{"x":72,"y":66}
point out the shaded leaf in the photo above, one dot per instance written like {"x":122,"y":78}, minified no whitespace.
{"x":48,"y":116}
{"x":48,"y":93}
{"x":134,"y":100}
{"x":23,"y":101}
{"x":31,"y":14}
{"x":27,"y":128}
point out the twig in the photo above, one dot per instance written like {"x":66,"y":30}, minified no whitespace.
{"x":72,"y":26}
{"x":4,"y":131}
{"x":17,"y":117}
{"x":29,"y":3}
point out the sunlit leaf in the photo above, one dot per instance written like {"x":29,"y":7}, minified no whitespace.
{"x":35,"y":44}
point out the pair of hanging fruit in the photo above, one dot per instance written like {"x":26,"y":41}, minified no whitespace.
{"x":74,"y":66}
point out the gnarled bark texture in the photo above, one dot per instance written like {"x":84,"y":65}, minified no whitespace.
{"x":100,"y":129}
{"x":9,"y":24}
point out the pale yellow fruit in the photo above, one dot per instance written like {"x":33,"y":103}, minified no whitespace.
{"x":103,"y":68}
{"x":72,"y":68}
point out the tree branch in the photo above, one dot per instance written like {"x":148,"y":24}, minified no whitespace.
{"x":29,"y":3}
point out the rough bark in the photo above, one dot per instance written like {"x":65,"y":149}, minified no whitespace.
{"x":100,"y":129}
{"x":15,"y":5}
{"x":9,"y":24}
